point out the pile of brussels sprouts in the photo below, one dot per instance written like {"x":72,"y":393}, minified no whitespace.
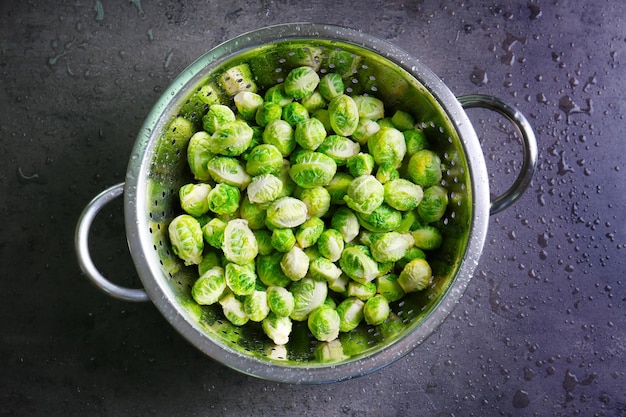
{"x":308,"y":205}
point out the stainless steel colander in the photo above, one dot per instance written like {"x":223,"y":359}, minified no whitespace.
{"x":157,"y":168}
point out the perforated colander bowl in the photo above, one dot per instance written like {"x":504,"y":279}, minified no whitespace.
{"x":157,"y":168}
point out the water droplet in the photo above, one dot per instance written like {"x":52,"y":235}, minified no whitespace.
{"x":479,"y":76}
{"x":99,"y":10}
{"x":535,"y":10}
{"x":520,"y":399}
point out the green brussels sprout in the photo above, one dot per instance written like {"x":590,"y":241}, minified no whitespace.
{"x":285,"y":176}
{"x":283,"y":239}
{"x":427,"y":237}
{"x":209,"y":287}
{"x":424,"y":168}
{"x":278,"y":328}
{"x":310,"y":133}
{"x":328,"y":352}
{"x":391,"y":246}
{"x":236,"y":79}
{"x":193,"y":198}
{"x":213,"y":232}
{"x":322,"y":269}
{"x":241,"y":279}
{"x":255,"y":305}
{"x":387,"y":172}
{"x":252,"y":213}
{"x":286,"y":212}
{"x":434,"y":203}
{"x":362,"y":291}
{"x":345,"y":221}
{"x":339,"y":148}
{"x":412,"y":253}
{"x":269,"y":271}
{"x":233,"y":310}
{"x":264,"y":188}
{"x":308,"y":294}
{"x":376,"y":310}
{"x":323,"y":322}
{"x":387,"y":146}
{"x":350,"y":312}
{"x":316,"y":200}
{"x":314,"y":102}
{"x":267,"y":113}
{"x":415,"y":141}
{"x":339,"y":285}
{"x":224,"y":199}
{"x":239,"y":244}
{"x":402,"y":120}
{"x":185,"y":236}
{"x":331,"y":85}
{"x":384,"y":219}
{"x":280,"y":301}
{"x":343,"y":115}
{"x":364,"y":130}
{"x":301,"y":82}
{"x":369,"y":107}
{"x":216,"y":116}
{"x":360,"y":164}
{"x":294,"y":113}
{"x":247,"y":104}
{"x":210,"y":259}
{"x":276,"y":95}
{"x":280,"y":134}
{"x":323,"y":116}
{"x":231,"y":138}
{"x":295,"y":263}
{"x":387,"y":285}
{"x":228,"y":170}
{"x":331,"y":244}
{"x":264,"y":241}
{"x":199,"y":154}
{"x":357,"y":262}
{"x":385,"y":123}
{"x":365,"y":194}
{"x":309,"y":232}
{"x":415,"y":276}
{"x":402,"y":194}
{"x":264,"y":159}
{"x":312,"y":169}
{"x":338,"y":187}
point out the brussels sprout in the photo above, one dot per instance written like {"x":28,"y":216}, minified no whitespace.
{"x":386,"y":172}
{"x":339,"y":148}
{"x":280,"y":301}
{"x":264,"y":188}
{"x":350,"y":312}
{"x":239,"y":244}
{"x":383,"y":219}
{"x":295,"y":263}
{"x":252,"y":213}
{"x":312,"y":169}
{"x":357,"y":262}
{"x":343,"y":115}
{"x":276,"y":95}
{"x":362,"y":291}
{"x":301,"y":82}
{"x":263,"y":241}
{"x":402,"y":120}
{"x":387,"y":146}
{"x":385,"y":123}
{"x":365,"y":194}
{"x":424,"y":168}
{"x":267,"y":113}
{"x":241,"y":279}
{"x":247,"y":104}
{"x":294,"y":113}
{"x":369,"y":107}
{"x":231,"y":138}
{"x":331,"y":244}
{"x":232,"y":308}
{"x":288,"y":185}
{"x":264,"y":159}
{"x":280,"y":134}
{"x":210,"y":259}
{"x":316,"y":199}
{"x":278,"y":328}
{"x":415,"y":276}
{"x":360,"y":164}
{"x":224,"y":199}
{"x":286,"y":212}
{"x":310,"y":133}
{"x":255,"y":305}
{"x":199,"y":154}
{"x":314,"y":102}
{"x":309,"y":232}
{"x":327,"y":352}
{"x":391,"y":246}
{"x":345,"y":221}
{"x":322,"y":269}
{"x":269,"y":271}
{"x":185,"y":236}
{"x":331,"y":85}
{"x":387,"y":286}
{"x":323,"y":322}
{"x":415,"y":141}
{"x":209,"y":287}
{"x":340,"y":285}
{"x":323,"y":116}
{"x":193,"y":198}
{"x":434,"y":203}
{"x":213,"y":232}
{"x":228,"y":170}
{"x":427,"y":237}
{"x":283,"y":239}
{"x":402,"y":194}
{"x":308,"y":294}
{"x":236,"y":79}
{"x":217,"y":116}
{"x":412,"y":253}
{"x":376,"y":310}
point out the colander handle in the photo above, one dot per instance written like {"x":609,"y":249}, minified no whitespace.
{"x":529,"y":144}
{"x":81,"y":243}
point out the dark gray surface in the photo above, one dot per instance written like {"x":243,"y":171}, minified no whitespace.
{"x":540,"y":330}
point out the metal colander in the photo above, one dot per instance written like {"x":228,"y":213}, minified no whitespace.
{"x":158,"y":167}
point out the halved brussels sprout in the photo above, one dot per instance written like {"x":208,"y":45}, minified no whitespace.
{"x":252,"y":213}
{"x":276,"y":95}
{"x":310,"y":133}
{"x":345,"y":221}
{"x":286,"y":212}
{"x":376,"y":310}
{"x":425,"y":168}
{"x":402,"y":194}
{"x":269,"y":271}
{"x":387,"y":146}
{"x":365,"y":194}
{"x":267,"y":113}
{"x":369,"y":107}
{"x":330,"y":244}
{"x":232,"y":308}
{"x":193,"y":198}
{"x":415,"y":276}
{"x":350,"y":312}
{"x":308,"y":294}
{"x":264,"y":188}
{"x":427,"y":237}
{"x":186,"y":238}
{"x":362,"y":291}
{"x":322,"y":269}
{"x":241,"y":279}
{"x":339,"y":148}
{"x":209,"y":287}
{"x":415,"y":141}
{"x":361,"y":164}
{"x":295,"y":263}
{"x":331,"y":85}
{"x":384,"y":219}
{"x":316,"y":199}
{"x":391,"y":246}
{"x":357,"y":262}
{"x":280,"y":301}
{"x":216,"y":116}
{"x":294,"y":113}
{"x":224,"y":199}
{"x":264,"y":159}
{"x":343,"y":115}
{"x":280,"y":134}
{"x":309,"y":232}
{"x":312,"y":169}
{"x":387,"y":285}
{"x":301,"y":82}
{"x":283,"y":239}
{"x":402,"y":120}
{"x":323,"y":322}
{"x":338,"y":187}
{"x":228,"y":170}
{"x":199,"y":154}
{"x":278,"y":328}
{"x":239,"y":244}
{"x":434,"y":203}
{"x":255,"y":305}
{"x":247,"y":104}
{"x":213,"y":232}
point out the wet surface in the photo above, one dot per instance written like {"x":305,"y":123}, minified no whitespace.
{"x":540,"y":330}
